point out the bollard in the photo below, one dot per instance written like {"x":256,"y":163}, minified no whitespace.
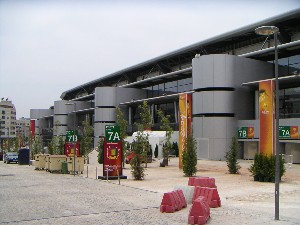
{"x":118,"y":175}
{"x":106,"y":174}
{"x":87,"y":171}
{"x":96,"y":174}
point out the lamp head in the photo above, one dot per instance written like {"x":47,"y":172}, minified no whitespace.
{"x":266,"y":30}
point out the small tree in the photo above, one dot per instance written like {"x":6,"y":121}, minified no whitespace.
{"x":100,"y":150}
{"x":30,"y":144}
{"x":141,"y":144}
{"x":52,"y":146}
{"x":145,"y":117}
{"x":137,"y":170}
{"x":123,"y":133}
{"x":189,"y":157}
{"x":86,"y":142}
{"x":16,"y":144}
{"x":37,"y":145}
{"x":61,"y":146}
{"x":231,"y":157}
{"x":165,"y":121}
{"x":57,"y":145}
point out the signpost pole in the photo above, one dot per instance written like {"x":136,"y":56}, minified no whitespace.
{"x":74,"y":134}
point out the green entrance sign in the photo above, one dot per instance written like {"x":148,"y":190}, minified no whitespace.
{"x":70,"y":137}
{"x":112,"y":133}
{"x":284,"y":132}
{"x":243,"y":132}
{"x":246,"y":132}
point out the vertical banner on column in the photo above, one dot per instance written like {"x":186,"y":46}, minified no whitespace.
{"x":185,"y":121}
{"x":32,"y":127}
{"x":266,"y":113}
{"x":189,"y":113}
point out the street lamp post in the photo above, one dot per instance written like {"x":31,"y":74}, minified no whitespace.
{"x":74,"y":134}
{"x":8,"y":144}
{"x":272,"y":30}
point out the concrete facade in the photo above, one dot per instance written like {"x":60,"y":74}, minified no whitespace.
{"x":219,"y":100}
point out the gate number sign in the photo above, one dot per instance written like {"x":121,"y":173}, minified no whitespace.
{"x":112,"y":133}
{"x":70,"y":137}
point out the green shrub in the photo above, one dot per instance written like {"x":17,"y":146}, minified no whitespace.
{"x":231,"y":157}
{"x":137,"y":168}
{"x":100,"y":150}
{"x":189,"y":157}
{"x":263,"y":167}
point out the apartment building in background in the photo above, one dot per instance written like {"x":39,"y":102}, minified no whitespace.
{"x":7,"y":120}
{"x":23,"y":127}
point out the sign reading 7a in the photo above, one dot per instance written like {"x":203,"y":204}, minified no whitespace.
{"x":112,"y":133}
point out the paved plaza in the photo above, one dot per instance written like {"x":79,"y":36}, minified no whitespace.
{"x":29,"y":196}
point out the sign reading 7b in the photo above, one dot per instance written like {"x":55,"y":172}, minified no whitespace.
{"x":70,"y":137}
{"x":112,"y":133}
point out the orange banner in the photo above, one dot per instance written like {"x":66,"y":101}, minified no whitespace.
{"x":185,"y":122}
{"x":266,"y":112}
{"x":250,"y":132}
{"x":294,"y":132}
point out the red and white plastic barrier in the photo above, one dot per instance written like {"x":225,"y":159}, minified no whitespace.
{"x":202,"y":182}
{"x":173,"y":201}
{"x":199,"y":212}
{"x":211,"y":195}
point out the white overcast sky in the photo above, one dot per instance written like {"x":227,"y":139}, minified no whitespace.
{"x":50,"y":46}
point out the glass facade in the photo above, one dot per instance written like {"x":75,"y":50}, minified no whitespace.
{"x":289,"y":103}
{"x":290,"y":97}
{"x":171,"y":87}
{"x":289,"y":65}
{"x":170,"y":108}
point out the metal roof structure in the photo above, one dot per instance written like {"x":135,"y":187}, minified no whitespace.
{"x":288,"y":24}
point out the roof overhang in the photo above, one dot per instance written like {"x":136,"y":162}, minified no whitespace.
{"x":159,"y":99}
{"x":158,"y":79}
{"x":284,"y":82}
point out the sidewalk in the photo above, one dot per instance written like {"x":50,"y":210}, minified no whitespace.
{"x":243,"y":200}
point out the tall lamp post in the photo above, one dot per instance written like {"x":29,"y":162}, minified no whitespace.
{"x":272,"y":30}
{"x":8,"y":144}
{"x":74,"y":134}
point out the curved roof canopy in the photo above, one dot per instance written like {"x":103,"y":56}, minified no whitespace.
{"x":288,"y":24}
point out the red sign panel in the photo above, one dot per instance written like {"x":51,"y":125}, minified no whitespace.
{"x":112,"y":159}
{"x":32,"y":127}
{"x":69,"y":149}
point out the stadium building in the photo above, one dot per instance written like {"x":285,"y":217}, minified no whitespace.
{"x":223,"y":75}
